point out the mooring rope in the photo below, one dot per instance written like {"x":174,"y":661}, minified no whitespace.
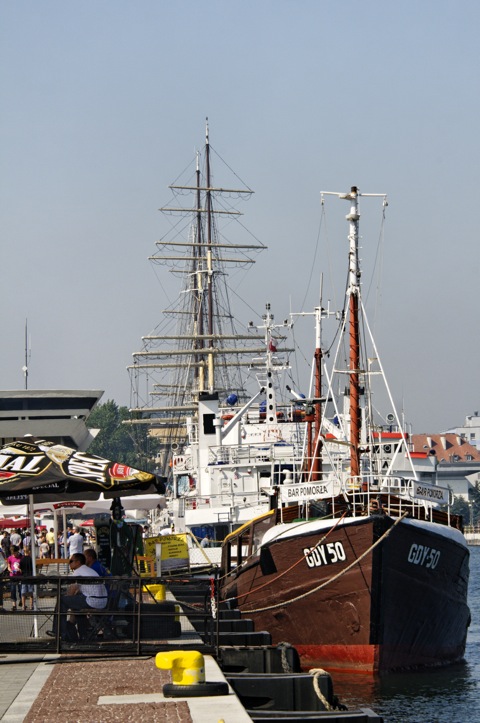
{"x":269,"y":582}
{"x":286,"y":667}
{"x":317,"y":672}
{"x":332,"y":579}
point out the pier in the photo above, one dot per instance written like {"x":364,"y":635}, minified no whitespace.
{"x":114,"y":667}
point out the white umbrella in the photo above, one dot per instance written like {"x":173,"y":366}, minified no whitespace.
{"x":89,"y":507}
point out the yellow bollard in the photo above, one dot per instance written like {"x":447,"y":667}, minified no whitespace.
{"x":158,"y":591}
{"x":160,"y":595}
{"x":187,"y":666}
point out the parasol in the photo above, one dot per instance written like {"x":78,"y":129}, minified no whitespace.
{"x":51,"y":472}
{"x":8,"y":523}
{"x":38,"y":470}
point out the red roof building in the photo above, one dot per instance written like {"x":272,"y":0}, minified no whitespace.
{"x":446,"y":447}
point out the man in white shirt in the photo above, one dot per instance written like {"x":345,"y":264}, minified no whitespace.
{"x":81,"y":596}
{"x":75,"y":542}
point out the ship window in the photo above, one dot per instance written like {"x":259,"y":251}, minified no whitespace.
{"x":243,"y":545}
{"x":259,"y":529}
{"x":208,"y":427}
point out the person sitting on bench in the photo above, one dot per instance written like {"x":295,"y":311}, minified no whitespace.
{"x":92,"y":561}
{"x":81,"y":596}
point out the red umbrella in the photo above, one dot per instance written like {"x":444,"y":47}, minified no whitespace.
{"x":87,"y":523}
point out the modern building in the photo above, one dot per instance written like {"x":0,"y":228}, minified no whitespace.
{"x":470,"y":430}
{"x":57,"y":415}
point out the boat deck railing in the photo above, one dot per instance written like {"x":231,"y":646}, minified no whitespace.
{"x":397,"y":495}
{"x":267,"y":452}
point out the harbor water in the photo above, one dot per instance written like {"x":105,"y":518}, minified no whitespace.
{"x":443,"y":695}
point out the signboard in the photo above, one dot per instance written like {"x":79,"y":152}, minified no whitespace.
{"x":174,"y":550}
{"x":104,"y":553}
{"x":308,"y":491}
{"x":431,"y":493}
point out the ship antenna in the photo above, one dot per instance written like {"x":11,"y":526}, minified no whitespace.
{"x":27,"y":355}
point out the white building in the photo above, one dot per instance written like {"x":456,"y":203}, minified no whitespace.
{"x":470,"y":430}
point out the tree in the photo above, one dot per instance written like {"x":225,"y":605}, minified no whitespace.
{"x":474,"y":497}
{"x":461,"y":507}
{"x":120,"y":442}
{"x":470,"y":510}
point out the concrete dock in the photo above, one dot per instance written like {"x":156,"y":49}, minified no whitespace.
{"x":66,"y":689}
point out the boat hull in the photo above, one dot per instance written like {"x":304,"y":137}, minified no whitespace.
{"x":346,"y":606}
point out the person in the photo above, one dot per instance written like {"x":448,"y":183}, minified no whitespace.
{"x":6,"y":544}
{"x":13,"y":561}
{"x":27,"y":540}
{"x":50,"y":536}
{"x":3,"y":573}
{"x":62,"y":550}
{"x":80,"y":596}
{"x":44,"y":547}
{"x":26,"y":570}
{"x":205,"y":542}
{"x":16,"y":538}
{"x":94,"y":563}
{"x":75,"y":542}
{"x":121,"y":541}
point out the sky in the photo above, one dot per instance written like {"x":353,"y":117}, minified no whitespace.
{"x":104,"y":103}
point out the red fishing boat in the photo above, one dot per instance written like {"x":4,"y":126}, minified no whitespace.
{"x":359,"y":564}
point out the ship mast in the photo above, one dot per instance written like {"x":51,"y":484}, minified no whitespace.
{"x":317,"y":459}
{"x":351,"y":322}
{"x":205,"y":352}
{"x":353,"y":292}
{"x":208,"y":204}
{"x":198,"y":321}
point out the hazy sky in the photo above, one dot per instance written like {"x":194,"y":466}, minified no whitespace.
{"x":103,"y":104}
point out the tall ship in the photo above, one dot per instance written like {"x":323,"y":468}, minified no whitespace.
{"x":201,"y":380}
{"x":359,"y":562}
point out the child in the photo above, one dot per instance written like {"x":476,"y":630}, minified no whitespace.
{"x":44,"y":547}
{"x":13,"y":561}
{"x":26,"y":569}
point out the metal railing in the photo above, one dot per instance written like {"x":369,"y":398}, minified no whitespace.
{"x":140,"y":616}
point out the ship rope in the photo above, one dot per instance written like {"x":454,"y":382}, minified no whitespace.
{"x":332,"y":579}
{"x":317,"y":672}
{"x":266,"y":584}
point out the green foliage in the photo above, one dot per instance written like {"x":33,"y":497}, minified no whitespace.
{"x":470,"y":510}
{"x":460,"y":507}
{"x":475,"y":501}
{"x":129,"y":444}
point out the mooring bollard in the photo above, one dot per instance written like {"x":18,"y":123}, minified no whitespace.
{"x":187,"y":666}
{"x":188,"y":675}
